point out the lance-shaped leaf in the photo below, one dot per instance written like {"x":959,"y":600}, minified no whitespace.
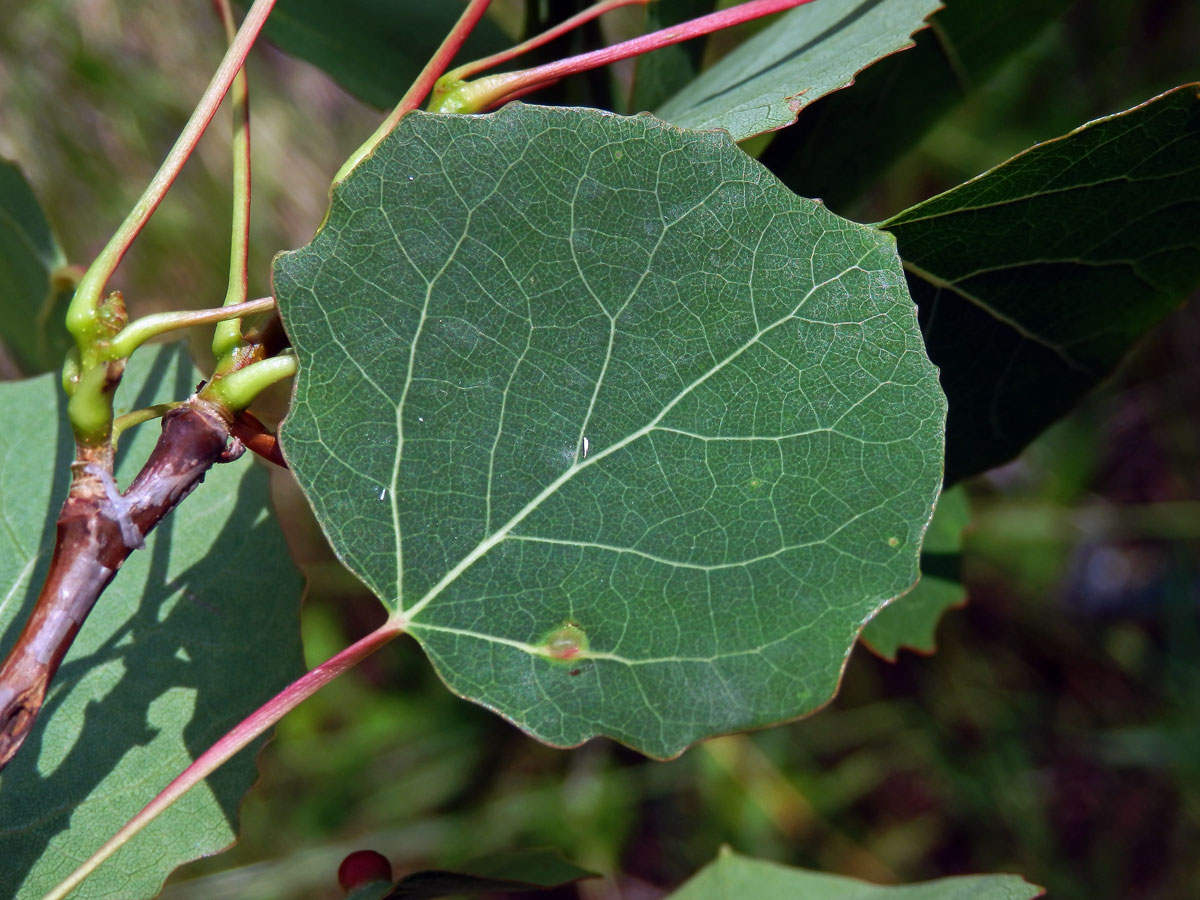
{"x":910,"y":621}
{"x":1036,"y":278}
{"x":842,"y":143}
{"x":35,"y":286}
{"x":627,"y":435}
{"x":734,"y":877}
{"x":812,"y":50}
{"x":373,"y":48}
{"x":196,"y":630}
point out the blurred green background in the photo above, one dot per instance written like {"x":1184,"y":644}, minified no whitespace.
{"x":1055,"y":733}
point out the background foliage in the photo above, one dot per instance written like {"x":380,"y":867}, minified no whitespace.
{"x":1055,"y":732}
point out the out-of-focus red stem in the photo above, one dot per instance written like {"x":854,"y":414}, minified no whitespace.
{"x":493,"y":90}
{"x":580,"y":18}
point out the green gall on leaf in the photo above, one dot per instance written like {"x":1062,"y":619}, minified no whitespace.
{"x":568,"y":642}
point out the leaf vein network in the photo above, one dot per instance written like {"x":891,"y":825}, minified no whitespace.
{"x":499,"y":535}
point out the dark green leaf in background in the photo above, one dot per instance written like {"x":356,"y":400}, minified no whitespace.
{"x":659,"y":75}
{"x":34,"y":285}
{"x":812,"y":50}
{"x":848,"y":138}
{"x":530,"y":870}
{"x":910,"y":621}
{"x":1036,"y":278}
{"x":734,"y":877}
{"x":630,"y":436}
{"x":374,"y":48}
{"x":196,"y":630}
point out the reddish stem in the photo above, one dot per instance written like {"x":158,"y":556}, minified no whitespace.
{"x":420,"y":88}
{"x":493,"y":90}
{"x":94,"y":280}
{"x":233,"y":740}
{"x":257,"y":438}
{"x":580,"y":18}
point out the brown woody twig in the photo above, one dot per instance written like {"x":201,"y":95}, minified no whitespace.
{"x":97,"y":530}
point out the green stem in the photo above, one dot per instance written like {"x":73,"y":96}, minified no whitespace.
{"x":138,"y":416}
{"x":84,"y":310}
{"x":416,"y":94}
{"x":227,"y":336}
{"x":141,"y":330}
{"x":236,"y":390}
{"x":233,"y":740}
{"x":89,"y":408}
{"x":460,"y":73}
{"x":492,"y":90}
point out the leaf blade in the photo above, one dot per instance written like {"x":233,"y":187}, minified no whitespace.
{"x":1035,"y":278}
{"x":526,"y":871}
{"x":911,"y":620}
{"x":560,"y":401}
{"x":659,"y":75}
{"x":731,"y":876}
{"x":811,"y":51}
{"x":849,"y":138}
{"x":156,"y":673}
{"x":373,"y":48}
{"x":36,"y":289}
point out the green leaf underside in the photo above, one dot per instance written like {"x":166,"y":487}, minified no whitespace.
{"x":734,"y":877}
{"x":1035,"y":278}
{"x":373,"y":48}
{"x":811,"y":51}
{"x":849,"y":138}
{"x":195,"y":631}
{"x":910,"y":621}
{"x":29,"y":255}
{"x":582,"y":386}
{"x":530,"y":870}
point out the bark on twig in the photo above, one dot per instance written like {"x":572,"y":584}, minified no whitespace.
{"x":97,"y":530}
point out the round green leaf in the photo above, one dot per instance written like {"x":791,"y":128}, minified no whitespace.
{"x":631,"y":438}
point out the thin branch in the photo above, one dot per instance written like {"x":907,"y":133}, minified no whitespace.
{"x":83,"y":309}
{"x":141,"y":330}
{"x":580,"y":18}
{"x":146,"y":414}
{"x":228,"y":745}
{"x":493,"y":90}
{"x":420,"y":88}
{"x":236,"y":390}
{"x":97,"y":530}
{"x":227,"y":336}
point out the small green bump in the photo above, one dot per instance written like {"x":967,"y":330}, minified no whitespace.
{"x":564,"y":643}
{"x":447,"y":96}
{"x":112,"y":314}
{"x":71,"y":371}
